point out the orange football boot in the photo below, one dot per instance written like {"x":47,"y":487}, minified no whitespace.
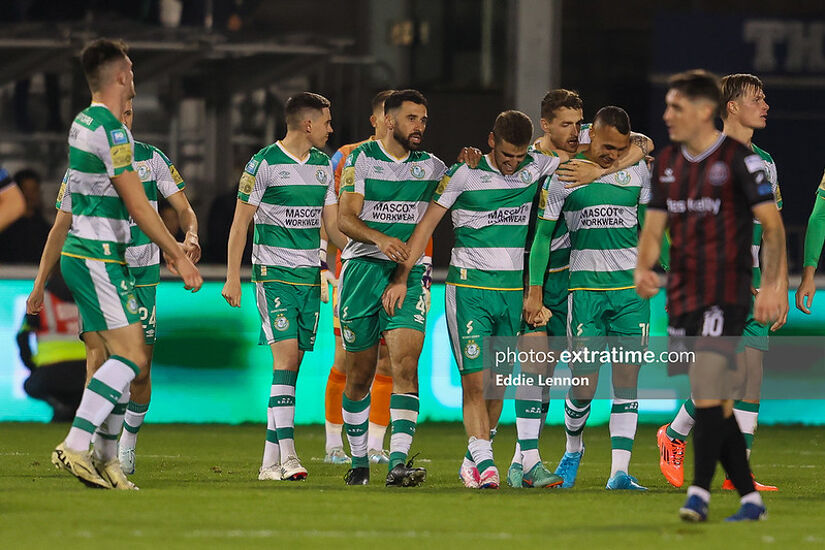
{"x":728,"y":486}
{"x":671,"y":456}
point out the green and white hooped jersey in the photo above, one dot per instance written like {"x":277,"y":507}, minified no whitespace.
{"x":490,"y":214}
{"x":756,"y":244}
{"x":290,"y":194}
{"x":100,"y":148}
{"x":602,"y":218}
{"x":560,"y":240}
{"x":396,"y":192}
{"x":159,"y":176}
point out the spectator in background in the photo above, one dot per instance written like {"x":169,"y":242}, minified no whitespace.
{"x":58,"y":367}
{"x":23,"y":241}
{"x":12,"y":203}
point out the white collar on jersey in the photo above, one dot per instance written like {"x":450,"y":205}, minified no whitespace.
{"x":290,"y":155}
{"x":707,"y":152}
{"x":491,"y":163}
{"x":390,"y":156}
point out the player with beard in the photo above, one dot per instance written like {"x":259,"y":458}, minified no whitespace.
{"x":385,"y":187}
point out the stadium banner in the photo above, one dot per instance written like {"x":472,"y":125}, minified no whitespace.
{"x":209,"y":368}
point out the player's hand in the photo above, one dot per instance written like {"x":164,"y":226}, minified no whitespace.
{"x":327,"y":278}
{"x":783,"y":315}
{"x":542,"y":318}
{"x":767,"y":306}
{"x":579,"y":172}
{"x":805,"y":295}
{"x":192,"y":248}
{"x":232,"y":292}
{"x":532,"y":306}
{"x":34,"y":303}
{"x":394,"y":249}
{"x":647,"y":282}
{"x":471,"y":156}
{"x":394,"y":296}
{"x":187,"y":271}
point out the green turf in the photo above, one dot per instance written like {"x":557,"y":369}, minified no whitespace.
{"x":199,"y":489}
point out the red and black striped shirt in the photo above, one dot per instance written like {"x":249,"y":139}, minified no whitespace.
{"x":709,"y":199}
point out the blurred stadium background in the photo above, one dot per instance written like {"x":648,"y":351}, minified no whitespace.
{"x":212,"y":77}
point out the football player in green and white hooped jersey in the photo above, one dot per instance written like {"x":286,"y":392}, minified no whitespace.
{"x":158,"y":175}
{"x":603,"y":219}
{"x":385,"y":187}
{"x":490,"y":212}
{"x":561,"y":123}
{"x":106,"y":193}
{"x":288,"y":188}
{"x":744,"y":110}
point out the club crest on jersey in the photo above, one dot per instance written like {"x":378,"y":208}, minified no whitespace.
{"x":622,"y":177}
{"x":416,"y":171}
{"x":119,"y":137}
{"x":321,"y":176}
{"x":718,"y":173}
{"x":131,"y":304}
{"x":472,"y":350}
{"x":144,"y":172}
{"x":348,"y":334}
{"x":525,"y":176}
{"x":281,"y":322}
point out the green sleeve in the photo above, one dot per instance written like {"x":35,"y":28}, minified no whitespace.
{"x":815,"y":234}
{"x":540,"y":251}
{"x":664,"y":254}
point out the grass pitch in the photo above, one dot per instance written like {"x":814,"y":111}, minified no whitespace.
{"x":199,"y":489}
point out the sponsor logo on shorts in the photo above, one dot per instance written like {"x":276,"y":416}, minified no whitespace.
{"x":281,"y":322}
{"x":131,"y":304}
{"x":472,"y":350}
{"x":119,"y":137}
{"x":417,"y":172}
{"x":419,"y":318}
{"x":526,"y":176}
{"x":321,"y":176}
{"x":348,"y":334}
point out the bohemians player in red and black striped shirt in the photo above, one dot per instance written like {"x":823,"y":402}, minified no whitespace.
{"x":708,"y":188}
